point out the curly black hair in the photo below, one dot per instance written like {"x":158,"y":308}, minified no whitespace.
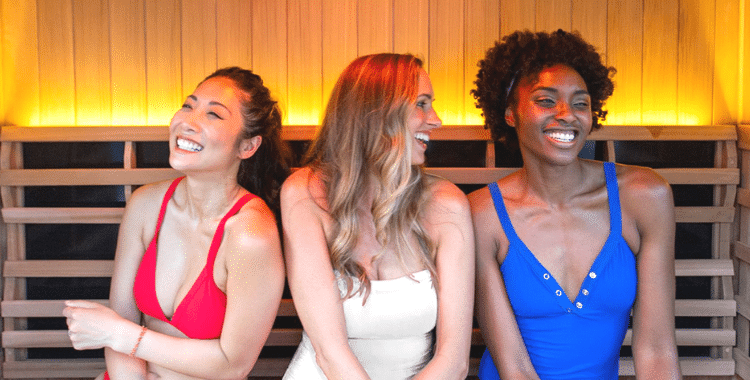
{"x":523,"y":54}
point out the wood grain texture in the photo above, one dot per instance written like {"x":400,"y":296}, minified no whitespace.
{"x":163,"y":80}
{"x":411,"y":28}
{"x":269,"y":21}
{"x":660,"y":31}
{"x":374,"y":27}
{"x":128,"y":62}
{"x":234,"y":37}
{"x":482,"y":30}
{"x":198,"y":41}
{"x":20,"y":57}
{"x":446,"y":55}
{"x":695,"y":61}
{"x":305,"y":52}
{"x":552,"y":15}
{"x":56,"y":63}
{"x":624,"y":52}
{"x":93,"y":84}
{"x":339,"y":25}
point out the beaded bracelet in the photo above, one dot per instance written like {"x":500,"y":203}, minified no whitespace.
{"x":138,"y":342}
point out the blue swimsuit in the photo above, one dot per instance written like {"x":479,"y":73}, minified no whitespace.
{"x":570,"y":340}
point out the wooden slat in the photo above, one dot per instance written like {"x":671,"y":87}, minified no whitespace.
{"x":660,"y":61}
{"x":703,"y":267}
{"x":56,"y":63}
{"x":198,"y":51}
{"x":58,"y":268}
{"x":695,"y":58}
{"x":625,"y":52}
{"x":705,"y":308}
{"x":726,"y":42}
{"x":60,"y":215}
{"x":163,"y":74}
{"x":743,"y":197}
{"x":269,"y":31}
{"x":553,"y":14}
{"x":305,"y":55}
{"x":696,"y":337}
{"x":36,"y":308}
{"x":704,"y":176}
{"x":93,"y":80}
{"x":128,"y":59}
{"x":84,"y":177}
{"x":339,"y":26}
{"x":84,"y":134}
{"x":446,"y":54}
{"x":665,"y":132}
{"x":743,"y":135}
{"x":481,"y":29}
{"x":690,"y":367}
{"x":704,"y":214}
{"x":587,"y":16}
{"x":743,"y":363}
{"x":233,"y":33}
{"x":374,"y":27}
{"x":20,"y":69}
{"x":411,"y":27}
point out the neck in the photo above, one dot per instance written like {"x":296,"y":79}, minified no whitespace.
{"x":556,"y":185}
{"x":210,"y":198}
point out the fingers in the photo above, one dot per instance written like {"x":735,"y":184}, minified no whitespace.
{"x":81,"y":303}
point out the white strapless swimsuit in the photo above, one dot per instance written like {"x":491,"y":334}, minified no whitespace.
{"x":392,"y":334}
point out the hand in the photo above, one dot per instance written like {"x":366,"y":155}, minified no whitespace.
{"x":91,"y":325}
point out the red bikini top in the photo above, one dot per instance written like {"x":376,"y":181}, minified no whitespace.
{"x":200,"y":315}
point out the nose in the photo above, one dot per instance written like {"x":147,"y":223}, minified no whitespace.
{"x":564,"y":112}
{"x":433,"y":120}
{"x":186,"y":121}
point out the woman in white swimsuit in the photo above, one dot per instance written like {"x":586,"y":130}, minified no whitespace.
{"x":379,"y":254}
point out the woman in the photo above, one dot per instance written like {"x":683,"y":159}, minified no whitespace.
{"x":379,"y":254}
{"x":566,"y":246}
{"x":208,"y":299}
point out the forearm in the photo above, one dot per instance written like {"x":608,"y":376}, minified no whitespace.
{"x":656,"y":363}
{"x":123,"y":367}
{"x":192,"y":357}
{"x":445,"y":367}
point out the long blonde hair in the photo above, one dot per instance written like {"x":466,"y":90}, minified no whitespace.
{"x":365,"y":143}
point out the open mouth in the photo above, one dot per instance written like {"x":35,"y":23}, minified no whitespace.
{"x":188,"y":145}
{"x":423,"y":138}
{"x":561,"y":136}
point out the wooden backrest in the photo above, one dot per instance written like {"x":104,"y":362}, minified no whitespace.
{"x":719,"y":309}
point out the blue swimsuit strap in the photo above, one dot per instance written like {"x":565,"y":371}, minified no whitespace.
{"x":615,"y":216}
{"x":613,"y":195}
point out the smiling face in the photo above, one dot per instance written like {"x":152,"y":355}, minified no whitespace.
{"x":422,"y":119}
{"x":204,"y":135}
{"x":552,"y":116}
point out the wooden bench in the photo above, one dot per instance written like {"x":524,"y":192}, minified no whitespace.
{"x":16,"y":309}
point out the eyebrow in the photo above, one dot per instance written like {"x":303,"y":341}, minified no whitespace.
{"x":211,"y":103}
{"x":428,"y":96}
{"x":552,"y":89}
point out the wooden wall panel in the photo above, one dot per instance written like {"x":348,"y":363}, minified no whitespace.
{"x":269,"y":47}
{"x":133,"y":61}
{"x":482,"y":29}
{"x":93,"y":95}
{"x":589,"y":17}
{"x":374,"y":27}
{"x":624,"y":52}
{"x":20,"y":62}
{"x":163,"y":66}
{"x":198,"y":41}
{"x":726,"y":63}
{"x":695,"y":61}
{"x":339,"y":40}
{"x":234,"y":36}
{"x":447,"y":59}
{"x":411,"y":27}
{"x":56,"y":63}
{"x":128,"y":62}
{"x":517,"y":15}
{"x":553,"y":14}
{"x":305,"y":61}
{"x":660,"y":30}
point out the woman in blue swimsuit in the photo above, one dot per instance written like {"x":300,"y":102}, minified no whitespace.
{"x":566,"y":247}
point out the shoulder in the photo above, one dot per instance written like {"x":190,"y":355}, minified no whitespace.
{"x":442,"y":195}
{"x":253,"y":228}
{"x":303,"y":186}
{"x":641,"y":183}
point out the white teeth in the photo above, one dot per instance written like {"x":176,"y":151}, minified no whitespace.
{"x":566,"y":136}
{"x":188,"y":145}
{"x":422,"y":137}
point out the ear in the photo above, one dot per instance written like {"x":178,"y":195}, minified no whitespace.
{"x":510,"y":118}
{"x":248,"y":147}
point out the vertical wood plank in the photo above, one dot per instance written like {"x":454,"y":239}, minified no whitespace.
{"x":270,"y":47}
{"x":374,"y":27}
{"x":128,"y":56}
{"x":589,"y":17}
{"x":20,"y":72}
{"x":660,"y":61}
{"x":447,"y":58}
{"x":198,"y":41}
{"x":482,"y":26}
{"x":339,"y":21}
{"x":93,"y":99}
{"x":695,"y":62}
{"x":163,"y":79}
{"x":726,"y":64}
{"x":234,"y":33}
{"x":56,"y":67}
{"x":744,"y":101}
{"x":411,"y":24}
{"x":305,"y":62}
{"x":517,"y":15}
{"x":624,"y":52}
{"x":554,"y":14}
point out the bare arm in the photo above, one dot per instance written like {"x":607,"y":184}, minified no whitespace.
{"x":312,"y":281}
{"x":255,"y":279}
{"x":493,"y":310}
{"x":647,"y":198}
{"x":449,"y":221}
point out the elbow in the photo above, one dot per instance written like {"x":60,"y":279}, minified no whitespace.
{"x":235,"y":372}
